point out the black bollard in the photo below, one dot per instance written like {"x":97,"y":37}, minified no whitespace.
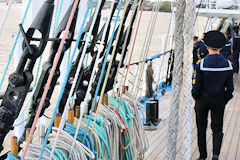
{"x":152,"y":112}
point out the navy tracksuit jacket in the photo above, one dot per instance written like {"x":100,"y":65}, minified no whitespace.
{"x":212,"y":90}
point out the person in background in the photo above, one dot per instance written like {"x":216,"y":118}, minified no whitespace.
{"x":226,"y":51}
{"x":195,"y":52}
{"x":229,"y":32}
{"x":236,"y":28}
{"x":212,"y":90}
{"x":236,"y":50}
{"x":201,"y":48}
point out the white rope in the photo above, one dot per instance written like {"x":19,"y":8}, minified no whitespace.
{"x":5,"y":16}
{"x":115,"y":126}
{"x":145,"y":49}
{"x":176,"y":82}
{"x":186,"y":99}
{"x":64,"y":143}
{"x":87,"y":97}
{"x":139,"y":139}
{"x":136,"y":80}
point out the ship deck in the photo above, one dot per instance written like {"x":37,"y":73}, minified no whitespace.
{"x":231,"y":141}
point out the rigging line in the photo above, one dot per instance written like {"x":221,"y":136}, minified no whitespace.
{"x":161,"y":67}
{"x":65,"y":110}
{"x":133,"y":17}
{"x":131,"y":53}
{"x":80,"y":66}
{"x":142,"y":54}
{"x":123,"y":61}
{"x":87,"y":96}
{"x":14,"y":44}
{"x":148,"y":42}
{"x":64,"y":84}
{"x":5,"y":16}
{"x":56,"y":21}
{"x":109,"y":66}
{"x":105,"y":60}
{"x":55,"y":15}
{"x":56,"y":59}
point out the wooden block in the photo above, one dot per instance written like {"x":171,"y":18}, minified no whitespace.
{"x":14,"y":146}
{"x":70,"y":115}
{"x":126,"y":88}
{"x":77,"y":111}
{"x":95,"y":107}
{"x":106,"y":99}
{"x":57,"y":120}
{"x":27,"y":134}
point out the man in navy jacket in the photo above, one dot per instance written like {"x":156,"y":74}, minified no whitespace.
{"x":226,"y":50}
{"x":212,"y":90}
{"x":236,"y":51}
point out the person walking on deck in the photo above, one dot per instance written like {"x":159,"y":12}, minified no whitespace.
{"x":226,"y":50}
{"x":236,"y":50}
{"x":212,"y":90}
{"x":201,"y":48}
{"x":195,"y":50}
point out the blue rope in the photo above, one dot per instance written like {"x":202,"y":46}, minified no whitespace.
{"x":14,"y":44}
{"x":71,"y":129}
{"x":58,"y":154}
{"x":11,"y":157}
{"x":127,"y":115}
{"x":65,"y":79}
{"x":104,"y":64}
{"x":58,"y":16}
{"x":101,"y":134}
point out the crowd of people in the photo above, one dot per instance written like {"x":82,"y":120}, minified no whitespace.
{"x":230,"y":51}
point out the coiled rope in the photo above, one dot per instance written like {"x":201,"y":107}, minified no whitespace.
{"x":14,"y":44}
{"x":186,"y":98}
{"x":80,"y":151}
{"x":176,"y":81}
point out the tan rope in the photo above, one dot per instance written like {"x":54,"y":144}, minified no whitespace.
{"x":186,"y":98}
{"x":176,"y":82}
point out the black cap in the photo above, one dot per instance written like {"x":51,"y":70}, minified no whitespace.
{"x":214,"y":40}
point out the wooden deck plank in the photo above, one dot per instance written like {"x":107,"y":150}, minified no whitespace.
{"x":232,"y":108}
{"x":231,"y":141}
{"x":234,"y":144}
